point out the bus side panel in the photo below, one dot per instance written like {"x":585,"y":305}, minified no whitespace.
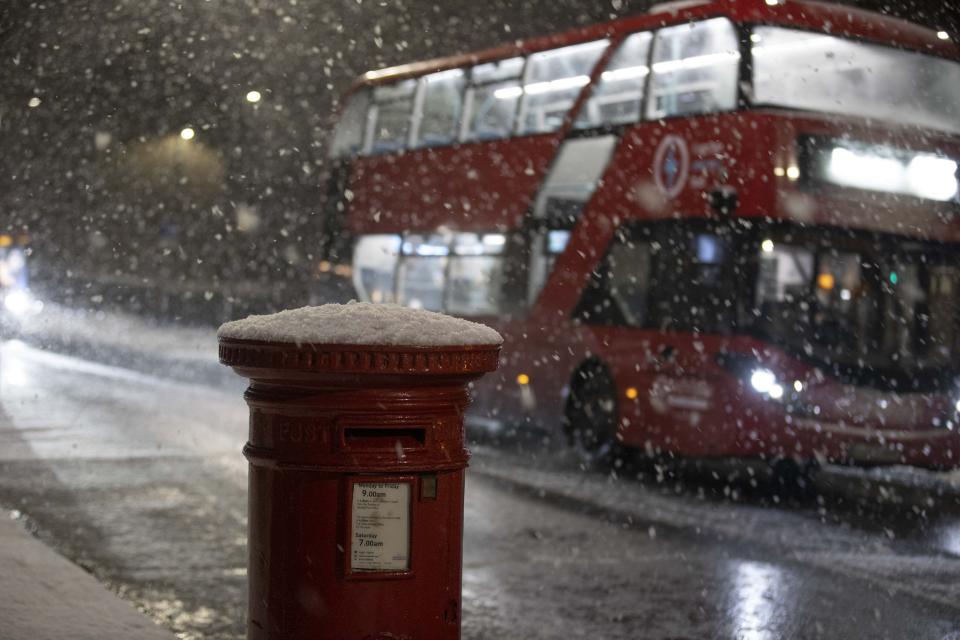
{"x":670,"y":397}
{"x":475,"y":186}
{"x":682,"y":402}
{"x":685,"y":166}
{"x":675,"y":397}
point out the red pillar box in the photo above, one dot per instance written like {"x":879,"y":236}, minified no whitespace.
{"x":357,"y":464}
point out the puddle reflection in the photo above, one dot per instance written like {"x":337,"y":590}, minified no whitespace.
{"x":757,"y":600}
{"x":948,"y":537}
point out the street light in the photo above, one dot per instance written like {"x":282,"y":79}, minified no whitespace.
{"x":253,"y":96}
{"x":187,"y":133}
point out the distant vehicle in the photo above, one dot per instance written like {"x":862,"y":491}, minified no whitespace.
{"x":720,"y":229}
{"x":15,"y":298}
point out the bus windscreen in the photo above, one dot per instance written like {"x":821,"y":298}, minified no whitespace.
{"x":891,"y":312}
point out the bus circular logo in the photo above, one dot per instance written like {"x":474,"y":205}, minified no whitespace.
{"x":671,"y":165}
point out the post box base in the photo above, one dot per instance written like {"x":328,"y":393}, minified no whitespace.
{"x":310,"y":580}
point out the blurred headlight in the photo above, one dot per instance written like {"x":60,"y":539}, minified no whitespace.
{"x":764,"y":381}
{"x":17,"y":302}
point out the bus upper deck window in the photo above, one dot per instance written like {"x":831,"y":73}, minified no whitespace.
{"x":694,"y":69}
{"x":508,"y":69}
{"x":393,"y":105}
{"x":441,"y":108}
{"x":819,"y":72}
{"x":617,"y":96}
{"x":348,"y":136}
{"x":493,"y":98}
{"x":554,"y":80}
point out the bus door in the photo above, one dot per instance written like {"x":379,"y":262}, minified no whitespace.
{"x":660,"y":304}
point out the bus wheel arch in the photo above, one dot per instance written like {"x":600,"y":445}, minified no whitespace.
{"x":793,"y":477}
{"x":590,"y":413}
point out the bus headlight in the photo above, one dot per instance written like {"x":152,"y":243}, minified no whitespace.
{"x":17,"y":302}
{"x":764,"y":381}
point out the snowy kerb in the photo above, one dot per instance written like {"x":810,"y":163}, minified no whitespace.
{"x":361,"y":323}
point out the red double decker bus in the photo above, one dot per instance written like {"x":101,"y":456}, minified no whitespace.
{"x":716,"y":229}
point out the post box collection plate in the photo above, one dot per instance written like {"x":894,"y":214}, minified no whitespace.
{"x":380,"y":526}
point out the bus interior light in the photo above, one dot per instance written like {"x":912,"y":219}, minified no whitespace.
{"x":468,"y":244}
{"x":448,"y":74}
{"x":560,"y":84}
{"x":696,"y":62}
{"x":431,"y":250}
{"x":508,"y":93}
{"x":709,"y":249}
{"x":626,"y":73}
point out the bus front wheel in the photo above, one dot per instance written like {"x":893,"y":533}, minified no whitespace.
{"x":591,"y":411}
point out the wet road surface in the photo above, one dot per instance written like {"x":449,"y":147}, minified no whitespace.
{"x":141,"y":481}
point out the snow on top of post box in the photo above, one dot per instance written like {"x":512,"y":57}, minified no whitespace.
{"x":361,"y":323}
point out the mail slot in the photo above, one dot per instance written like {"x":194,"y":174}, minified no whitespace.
{"x":388,"y":438}
{"x":356,"y":470}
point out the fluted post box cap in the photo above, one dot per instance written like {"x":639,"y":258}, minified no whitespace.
{"x":359,"y":338}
